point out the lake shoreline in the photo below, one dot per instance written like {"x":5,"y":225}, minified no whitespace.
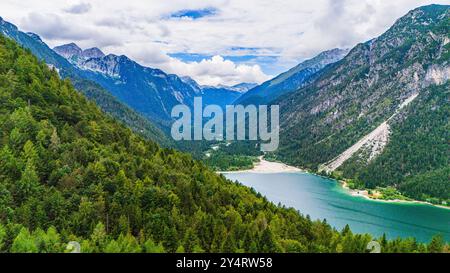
{"x":269,"y":167}
{"x":365,"y":194}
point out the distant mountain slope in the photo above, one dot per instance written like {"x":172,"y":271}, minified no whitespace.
{"x":292,"y":80}
{"x":351,"y":98}
{"x":150,"y":92}
{"x":220,"y":95}
{"x":92,"y":90}
{"x":242,"y":87}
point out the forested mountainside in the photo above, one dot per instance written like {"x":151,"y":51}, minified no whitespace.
{"x":111,"y":105}
{"x":295,"y":78}
{"x":68,"y":172}
{"x":399,"y":81}
{"x":93,"y":91}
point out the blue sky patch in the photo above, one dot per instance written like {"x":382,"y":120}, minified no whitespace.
{"x":194,"y":14}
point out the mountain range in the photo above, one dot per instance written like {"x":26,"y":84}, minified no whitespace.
{"x":295,"y":78}
{"x":148,"y":91}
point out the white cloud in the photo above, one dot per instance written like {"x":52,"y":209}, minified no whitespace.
{"x":217,"y":70}
{"x":53,"y":26}
{"x":79,"y":8}
{"x":290,"y":30}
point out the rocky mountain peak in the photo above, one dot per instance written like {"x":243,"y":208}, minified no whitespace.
{"x":336,"y":52}
{"x":76,"y":55}
{"x":92,"y":53}
{"x":68,"y":51}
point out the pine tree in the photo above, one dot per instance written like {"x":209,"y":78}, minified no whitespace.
{"x":436,"y":244}
{"x":98,"y":238}
{"x":9,"y":167}
{"x":112,"y":247}
{"x":54,"y":141}
{"x":268,"y":243}
{"x":128,"y":244}
{"x":229,"y":246}
{"x":24,"y":243}
{"x":190,"y":241}
{"x":28,"y":185}
{"x":170,"y":239}
{"x":2,"y":236}
{"x":151,"y":247}
{"x":29,"y":152}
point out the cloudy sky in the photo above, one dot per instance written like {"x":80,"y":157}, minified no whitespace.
{"x":215,"y":41}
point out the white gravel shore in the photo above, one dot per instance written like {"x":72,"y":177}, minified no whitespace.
{"x":264,"y":166}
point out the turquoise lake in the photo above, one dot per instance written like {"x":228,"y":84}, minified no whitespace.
{"x":325,"y":199}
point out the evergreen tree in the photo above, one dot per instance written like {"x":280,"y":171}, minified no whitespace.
{"x":151,"y":247}
{"x":268,"y":243}
{"x":436,"y":244}
{"x":190,"y":241}
{"x":229,"y":246}
{"x":24,"y":243}
{"x":170,"y":239}
{"x":28,"y":185}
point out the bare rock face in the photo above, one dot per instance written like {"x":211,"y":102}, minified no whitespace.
{"x":108,"y":65}
{"x":438,"y":74}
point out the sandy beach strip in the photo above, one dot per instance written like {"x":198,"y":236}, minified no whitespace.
{"x":264,"y":166}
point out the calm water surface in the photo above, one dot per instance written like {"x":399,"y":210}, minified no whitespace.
{"x":325,"y":199}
